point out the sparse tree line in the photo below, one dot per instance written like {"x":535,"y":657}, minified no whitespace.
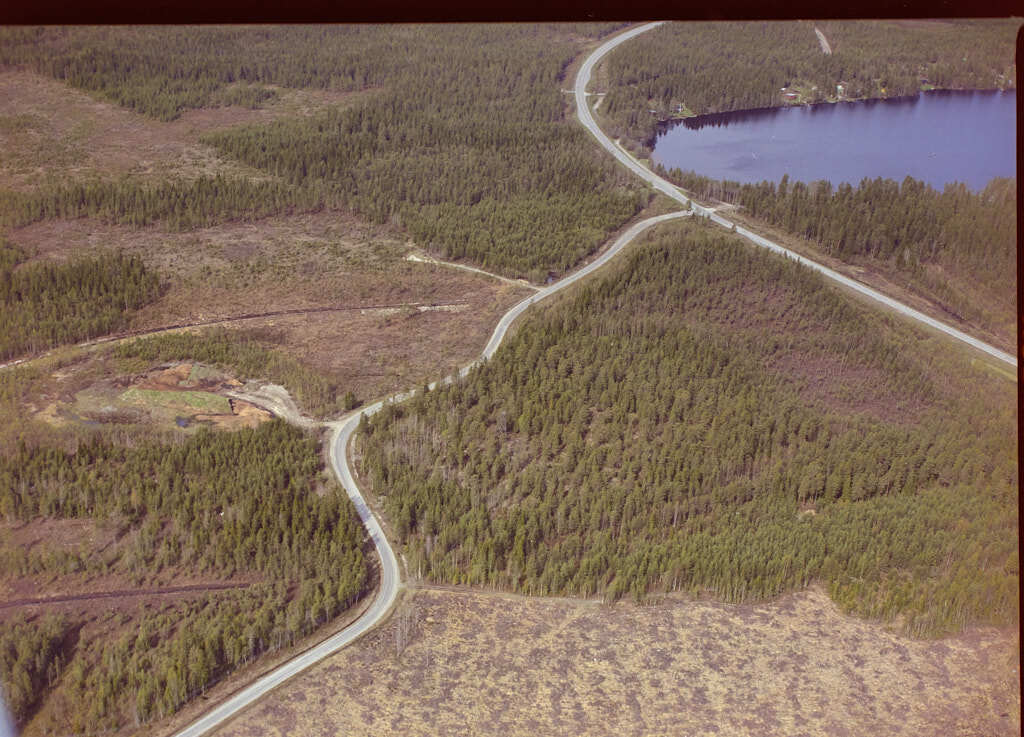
{"x":47,"y":304}
{"x":217,"y":504}
{"x":699,"y":68}
{"x":901,"y":226}
{"x":640,"y":437}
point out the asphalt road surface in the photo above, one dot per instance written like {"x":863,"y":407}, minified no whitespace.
{"x":390,"y":575}
{"x":587,"y":119}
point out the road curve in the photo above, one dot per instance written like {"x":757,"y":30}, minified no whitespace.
{"x":587,"y":119}
{"x":343,"y":429}
{"x":390,"y":576}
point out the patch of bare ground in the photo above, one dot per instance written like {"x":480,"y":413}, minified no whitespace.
{"x":47,"y":126}
{"x":372,"y":344}
{"x":184,"y":395}
{"x":58,"y":534}
{"x":487,"y":664}
{"x":376,"y":352}
{"x":329,"y":259}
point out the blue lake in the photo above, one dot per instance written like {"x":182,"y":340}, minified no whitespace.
{"x":938,"y":137}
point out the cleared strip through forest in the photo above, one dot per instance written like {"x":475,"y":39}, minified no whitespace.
{"x":238,"y":318}
{"x":585,"y":116}
{"x":44,"y":600}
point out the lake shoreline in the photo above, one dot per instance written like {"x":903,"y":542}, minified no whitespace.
{"x":935,"y":136}
{"x":699,"y":121}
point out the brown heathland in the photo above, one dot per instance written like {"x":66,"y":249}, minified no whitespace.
{"x":307,"y":262}
{"x":48,"y":127}
{"x":486,"y":664}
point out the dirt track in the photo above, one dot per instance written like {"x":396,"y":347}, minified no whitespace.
{"x":44,"y":600}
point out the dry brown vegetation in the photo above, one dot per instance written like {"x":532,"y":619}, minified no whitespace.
{"x":487,"y":664}
{"x":307,"y":262}
{"x":300,"y":261}
{"x":48,"y":127}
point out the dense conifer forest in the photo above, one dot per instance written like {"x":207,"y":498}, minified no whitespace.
{"x":701,"y":418}
{"x":47,"y":304}
{"x":162,"y":71}
{"x":467,"y":146}
{"x":251,"y":503}
{"x":177,"y":204}
{"x":711,"y":419}
{"x":698,"y":68}
{"x":476,"y":160}
{"x":904,"y":227}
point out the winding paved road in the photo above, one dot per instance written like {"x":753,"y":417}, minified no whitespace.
{"x":343,"y":429}
{"x":587,"y":119}
{"x":390,"y":575}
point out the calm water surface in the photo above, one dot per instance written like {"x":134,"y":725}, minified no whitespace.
{"x":938,"y":137}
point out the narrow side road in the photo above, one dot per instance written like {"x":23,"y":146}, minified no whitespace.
{"x":427,"y":260}
{"x":585,"y":116}
{"x":825,"y":48}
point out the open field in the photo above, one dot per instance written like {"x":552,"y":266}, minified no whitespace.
{"x":306,"y":262}
{"x":91,"y":393}
{"x":212,"y":403}
{"x":488,"y":664}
